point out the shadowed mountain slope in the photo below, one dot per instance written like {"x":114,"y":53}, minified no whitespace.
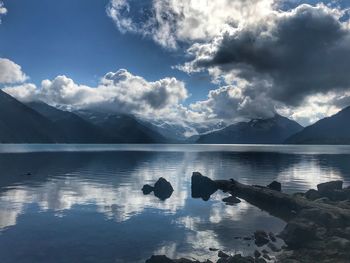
{"x":257,"y":131}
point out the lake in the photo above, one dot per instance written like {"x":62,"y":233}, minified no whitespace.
{"x":83,"y":203}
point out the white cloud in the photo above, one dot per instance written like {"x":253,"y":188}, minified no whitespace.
{"x":161,"y":101}
{"x":171,"y":21}
{"x":118,"y":91}
{"x":268,"y":53}
{"x":10,"y":72}
{"x":317,"y":106}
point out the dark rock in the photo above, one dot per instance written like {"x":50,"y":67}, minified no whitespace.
{"x":321,"y":217}
{"x":272,"y":237}
{"x":247,"y":238}
{"x":339,"y":243}
{"x":257,"y":254}
{"x":213,"y":249}
{"x":330,"y":186}
{"x":159,"y":259}
{"x":275,"y":186}
{"x":222,"y":254}
{"x":231,"y":200}
{"x":239,"y":259}
{"x":163,"y":189}
{"x":147,"y":189}
{"x":185,"y":260}
{"x":261,"y":238}
{"x":273,"y":247}
{"x":202,"y":186}
{"x":266,"y":256}
{"x":312,"y":194}
{"x":322,"y":200}
{"x":298,"y":194}
{"x":298,"y":233}
{"x":336,"y":195}
{"x":165,"y":259}
{"x":236,"y":259}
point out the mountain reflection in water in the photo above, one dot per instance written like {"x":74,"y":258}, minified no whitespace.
{"x":89,"y":207}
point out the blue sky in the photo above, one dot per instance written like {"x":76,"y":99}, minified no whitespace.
{"x":227,"y":69}
{"x":76,"y":38}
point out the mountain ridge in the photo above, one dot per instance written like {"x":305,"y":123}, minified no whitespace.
{"x":330,"y":130}
{"x":21,"y":124}
{"x":256,"y":131}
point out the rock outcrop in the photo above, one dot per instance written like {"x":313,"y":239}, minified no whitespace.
{"x":161,"y":189}
{"x":202,"y":186}
{"x":318,"y":221}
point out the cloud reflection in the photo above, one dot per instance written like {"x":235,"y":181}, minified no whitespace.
{"x":110,"y":184}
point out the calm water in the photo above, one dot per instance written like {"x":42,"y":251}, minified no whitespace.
{"x":84,"y":204}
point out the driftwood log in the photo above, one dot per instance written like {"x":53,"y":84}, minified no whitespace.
{"x":286,"y":206}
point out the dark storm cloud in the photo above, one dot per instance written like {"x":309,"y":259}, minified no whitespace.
{"x":301,"y":52}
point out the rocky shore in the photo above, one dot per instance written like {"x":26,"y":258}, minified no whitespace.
{"x":317,"y":229}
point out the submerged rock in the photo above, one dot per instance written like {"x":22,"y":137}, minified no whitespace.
{"x":275,"y":186}
{"x":162,"y":189}
{"x":261,"y":238}
{"x":202,"y":186}
{"x":231,"y":200}
{"x":330,"y":186}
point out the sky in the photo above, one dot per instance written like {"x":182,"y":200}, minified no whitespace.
{"x":181,"y":61}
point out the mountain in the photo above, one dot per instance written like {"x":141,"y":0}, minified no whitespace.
{"x":73,"y":129}
{"x":257,"y":131}
{"x":182,"y":132}
{"x":331,"y":130}
{"x":125,"y":128}
{"x":173,"y":132}
{"x":21,"y":124}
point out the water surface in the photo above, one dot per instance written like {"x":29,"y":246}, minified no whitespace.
{"x":82,"y":203}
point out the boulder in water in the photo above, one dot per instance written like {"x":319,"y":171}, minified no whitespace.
{"x":330,"y":186}
{"x":147,"y":189}
{"x":163,"y":189}
{"x":202,"y":186}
